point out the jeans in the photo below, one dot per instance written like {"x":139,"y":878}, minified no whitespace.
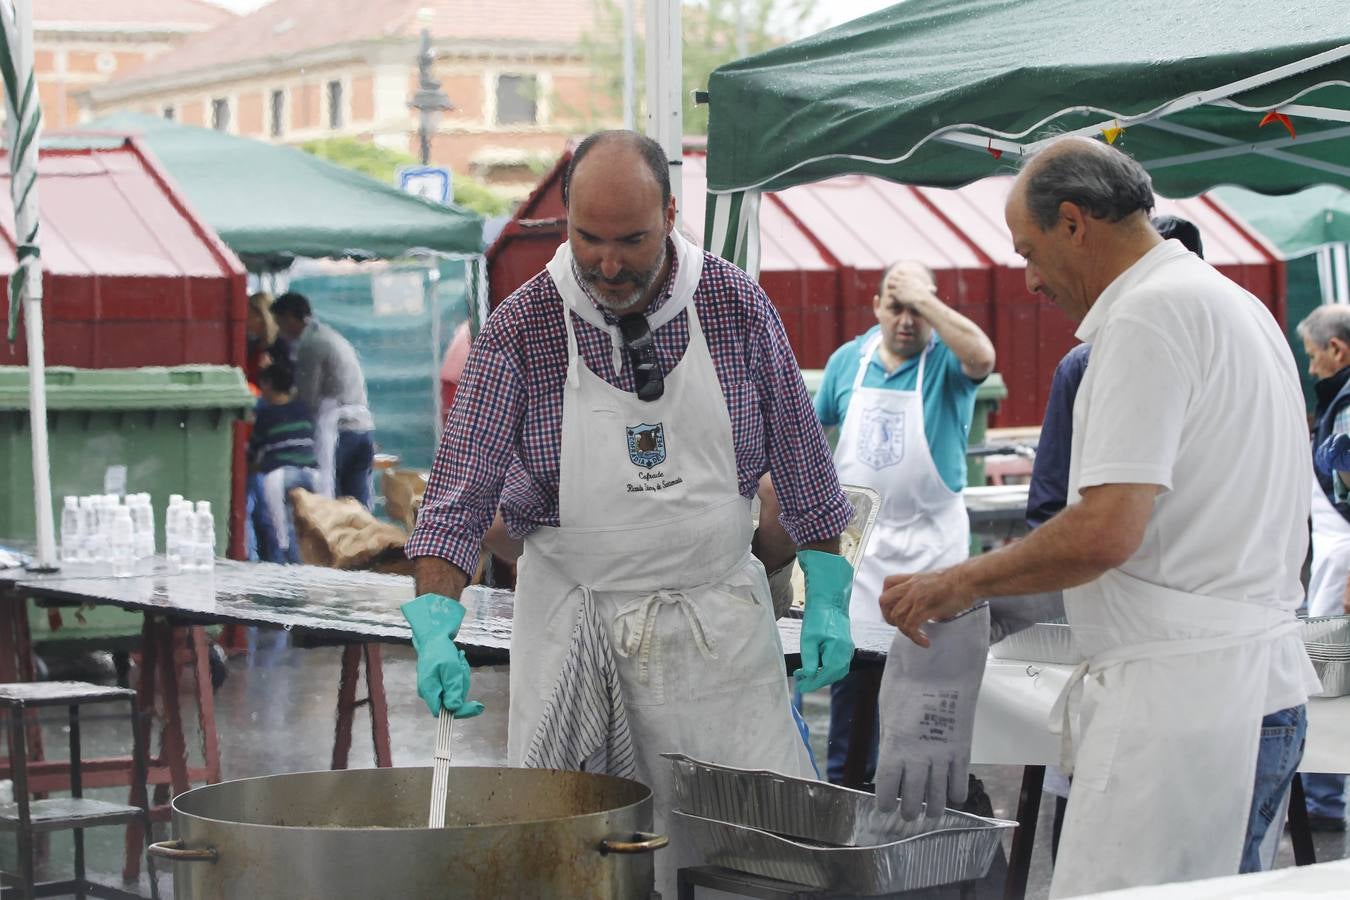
{"x":1282,"y":735}
{"x":264,"y":543}
{"x":1325,"y":795}
{"x":843,"y":701}
{"x":269,"y":548}
{"x":352,"y":463}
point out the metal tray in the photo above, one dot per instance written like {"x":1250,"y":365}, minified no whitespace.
{"x":1335,"y":677}
{"x":1045,"y":642}
{"x":866,"y":504}
{"x":824,"y":836}
{"x":1327,"y":630}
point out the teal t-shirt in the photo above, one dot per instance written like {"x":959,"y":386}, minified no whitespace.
{"x":948,"y":398}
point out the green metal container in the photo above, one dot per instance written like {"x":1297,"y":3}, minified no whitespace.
{"x":172,"y":428}
{"x":987,"y":397}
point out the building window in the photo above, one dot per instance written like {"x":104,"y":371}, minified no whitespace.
{"x":220,"y":114}
{"x":169,"y":113}
{"x":517,"y":100}
{"x":334,"y":104}
{"x":278,"y":114}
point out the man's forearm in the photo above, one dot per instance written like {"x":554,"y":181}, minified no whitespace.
{"x":963,"y":337}
{"x":1076,"y":546}
{"x":434,"y":575}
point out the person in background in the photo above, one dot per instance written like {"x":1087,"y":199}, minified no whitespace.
{"x":1326,"y":339}
{"x":329,"y":379}
{"x":1281,"y":733}
{"x":902,"y":396}
{"x":281,"y":453}
{"x":260,"y":334}
{"x":1180,"y":591}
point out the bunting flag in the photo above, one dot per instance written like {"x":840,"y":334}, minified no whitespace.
{"x":22,"y":125}
{"x":994,"y":151}
{"x":1276,"y":116}
{"x":1113,"y":133}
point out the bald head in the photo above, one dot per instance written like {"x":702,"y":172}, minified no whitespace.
{"x":630,"y":151}
{"x":1094,"y":176}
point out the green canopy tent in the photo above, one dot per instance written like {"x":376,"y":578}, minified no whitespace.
{"x":1297,"y":224}
{"x":272,"y":203}
{"x":944,"y":92}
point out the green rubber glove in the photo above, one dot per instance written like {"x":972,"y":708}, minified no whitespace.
{"x":442,"y":671}
{"x":827,"y":645}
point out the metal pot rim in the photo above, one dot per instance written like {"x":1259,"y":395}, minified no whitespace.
{"x":645,"y":797}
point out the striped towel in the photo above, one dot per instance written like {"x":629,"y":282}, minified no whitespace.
{"x":584,"y":726}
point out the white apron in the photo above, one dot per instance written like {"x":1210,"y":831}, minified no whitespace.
{"x":1172,"y":697}
{"x":325,"y":444}
{"x":1330,"y":557}
{"x":653,"y":524}
{"x":922,"y":524}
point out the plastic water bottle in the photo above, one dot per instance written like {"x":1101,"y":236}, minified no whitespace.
{"x":88,"y":529}
{"x":122,"y":542}
{"x":174,"y":528}
{"x":204,"y":537}
{"x":72,"y":536}
{"x":143,"y":518}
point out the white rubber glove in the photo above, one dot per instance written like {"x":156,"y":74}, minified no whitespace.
{"x":927,"y":708}
{"x":1009,"y":615}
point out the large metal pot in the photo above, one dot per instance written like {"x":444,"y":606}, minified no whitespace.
{"x":362,"y":833}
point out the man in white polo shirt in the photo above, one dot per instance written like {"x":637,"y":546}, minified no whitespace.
{"x":1180,"y":565}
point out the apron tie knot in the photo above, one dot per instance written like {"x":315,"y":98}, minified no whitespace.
{"x":630,"y":642}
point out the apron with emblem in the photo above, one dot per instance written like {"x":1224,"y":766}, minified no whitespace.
{"x":922,"y":524}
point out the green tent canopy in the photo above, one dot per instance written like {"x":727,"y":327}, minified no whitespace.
{"x":944,"y":92}
{"x":272,"y":203}
{"x":1298,"y":223}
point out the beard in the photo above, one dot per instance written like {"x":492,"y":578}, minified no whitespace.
{"x":591,"y":279}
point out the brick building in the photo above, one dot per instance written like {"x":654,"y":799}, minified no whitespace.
{"x":81,"y":43}
{"x":296,"y":70}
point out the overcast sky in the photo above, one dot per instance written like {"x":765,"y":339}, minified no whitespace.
{"x":832,"y":11}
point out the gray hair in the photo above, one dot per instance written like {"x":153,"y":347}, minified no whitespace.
{"x":1097,"y":178}
{"x":1325,"y":323}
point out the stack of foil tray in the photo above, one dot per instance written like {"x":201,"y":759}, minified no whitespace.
{"x":1044,"y":642}
{"x":822,"y":836}
{"x":1328,"y":641}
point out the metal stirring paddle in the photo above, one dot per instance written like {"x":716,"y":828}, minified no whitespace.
{"x":440,"y":778}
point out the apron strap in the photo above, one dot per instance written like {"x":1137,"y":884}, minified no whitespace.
{"x":640,"y":641}
{"x":1065,"y":709}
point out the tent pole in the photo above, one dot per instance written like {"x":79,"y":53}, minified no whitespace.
{"x":37,"y":406}
{"x":665,"y":76}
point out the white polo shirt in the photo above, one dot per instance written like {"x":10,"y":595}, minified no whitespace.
{"x":1193,"y":387}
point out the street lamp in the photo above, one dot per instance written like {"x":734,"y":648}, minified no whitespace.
{"x":429,"y":100}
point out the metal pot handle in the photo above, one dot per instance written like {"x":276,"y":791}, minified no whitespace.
{"x":176,"y":852}
{"x":638,"y":842}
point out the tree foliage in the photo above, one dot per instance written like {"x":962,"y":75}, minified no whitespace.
{"x":383,"y":163}
{"x":710,"y":30}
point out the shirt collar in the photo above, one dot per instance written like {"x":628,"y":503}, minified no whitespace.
{"x":1101,"y":310}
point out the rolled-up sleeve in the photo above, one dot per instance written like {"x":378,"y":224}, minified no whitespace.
{"x":814,"y":506}
{"x":475,"y":449}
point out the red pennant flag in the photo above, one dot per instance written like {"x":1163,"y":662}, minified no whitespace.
{"x":1277,"y":116}
{"x":995,"y":153}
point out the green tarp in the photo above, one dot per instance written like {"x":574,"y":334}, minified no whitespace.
{"x":1298,"y":223}
{"x":923,"y":91}
{"x":272,"y":203}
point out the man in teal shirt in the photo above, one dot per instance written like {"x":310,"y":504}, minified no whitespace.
{"x":902,"y":396}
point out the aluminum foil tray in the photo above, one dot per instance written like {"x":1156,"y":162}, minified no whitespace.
{"x":817,"y":834}
{"x":1045,"y":642}
{"x":866,"y":504}
{"x":1331,"y":631}
{"x":1335,"y":677}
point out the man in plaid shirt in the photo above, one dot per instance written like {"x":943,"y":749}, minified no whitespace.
{"x":619,"y":409}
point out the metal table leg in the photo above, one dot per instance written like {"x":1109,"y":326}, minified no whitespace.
{"x":1300,"y":835}
{"x":1028,"y":811}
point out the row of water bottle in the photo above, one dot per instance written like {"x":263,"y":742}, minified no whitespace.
{"x":103,"y":529}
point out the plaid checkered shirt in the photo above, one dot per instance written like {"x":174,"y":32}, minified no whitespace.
{"x":503,"y":437}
